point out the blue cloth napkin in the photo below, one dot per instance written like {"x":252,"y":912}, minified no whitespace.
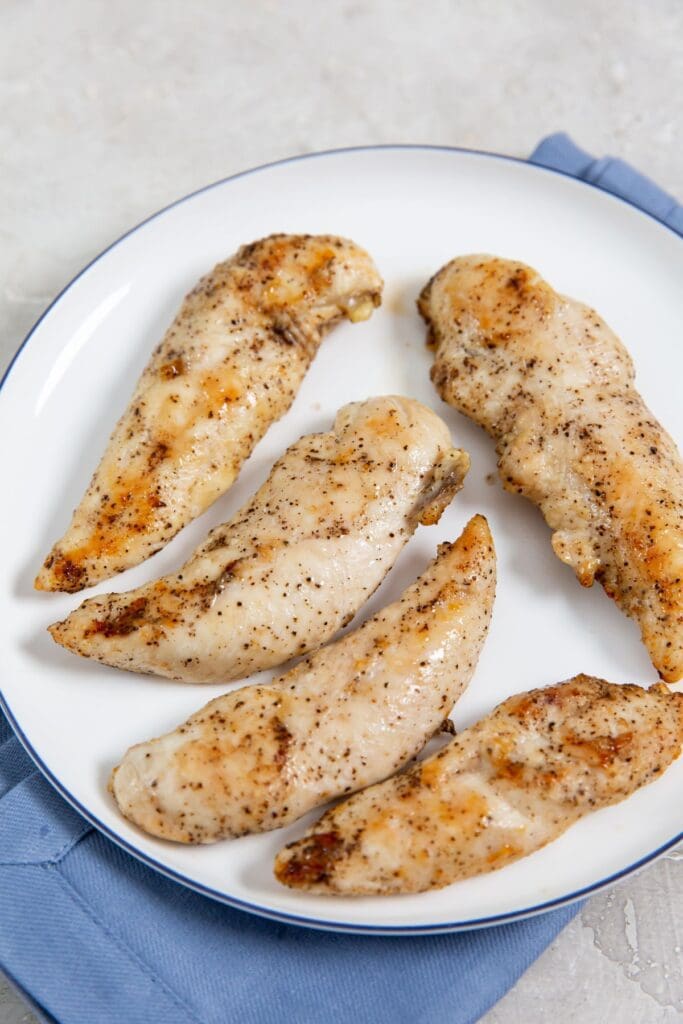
{"x":96,"y":937}
{"x":562,"y":154}
{"x":92,"y":936}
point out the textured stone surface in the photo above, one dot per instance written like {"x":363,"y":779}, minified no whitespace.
{"x":111,"y":110}
{"x":12,"y":1008}
{"x":619,"y":960}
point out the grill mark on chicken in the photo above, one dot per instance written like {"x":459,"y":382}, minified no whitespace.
{"x":124,"y":622}
{"x":498,"y":791}
{"x":553,"y":385}
{"x":229,"y":366}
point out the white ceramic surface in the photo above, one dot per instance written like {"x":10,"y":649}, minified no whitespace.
{"x":413,"y":209}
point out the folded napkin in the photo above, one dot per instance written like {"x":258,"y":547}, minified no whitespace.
{"x":613,"y":175}
{"x":96,"y":937}
{"x":93,"y":936}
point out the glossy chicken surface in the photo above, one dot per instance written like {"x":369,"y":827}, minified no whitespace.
{"x":295,"y":563}
{"x":499,"y":791}
{"x":343,"y":718}
{"x":549,"y":380}
{"x":229,"y":365}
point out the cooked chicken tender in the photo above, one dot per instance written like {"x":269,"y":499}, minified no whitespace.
{"x":549,"y":380}
{"x":296,"y":562}
{"x":351,"y":714}
{"x":229,"y":366}
{"x":495,"y":793}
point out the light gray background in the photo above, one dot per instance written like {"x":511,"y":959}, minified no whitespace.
{"x":111,"y":110}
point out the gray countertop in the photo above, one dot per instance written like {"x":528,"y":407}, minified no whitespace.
{"x":111,"y":111}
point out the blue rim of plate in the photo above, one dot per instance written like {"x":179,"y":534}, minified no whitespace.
{"x":215,"y":894}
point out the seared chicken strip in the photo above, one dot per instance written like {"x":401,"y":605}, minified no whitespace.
{"x":497,"y":792}
{"x":351,"y":714}
{"x":548,"y":379}
{"x":296,"y":562}
{"x":230,"y":364}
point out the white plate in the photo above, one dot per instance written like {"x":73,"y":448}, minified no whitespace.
{"x":413,"y":208}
